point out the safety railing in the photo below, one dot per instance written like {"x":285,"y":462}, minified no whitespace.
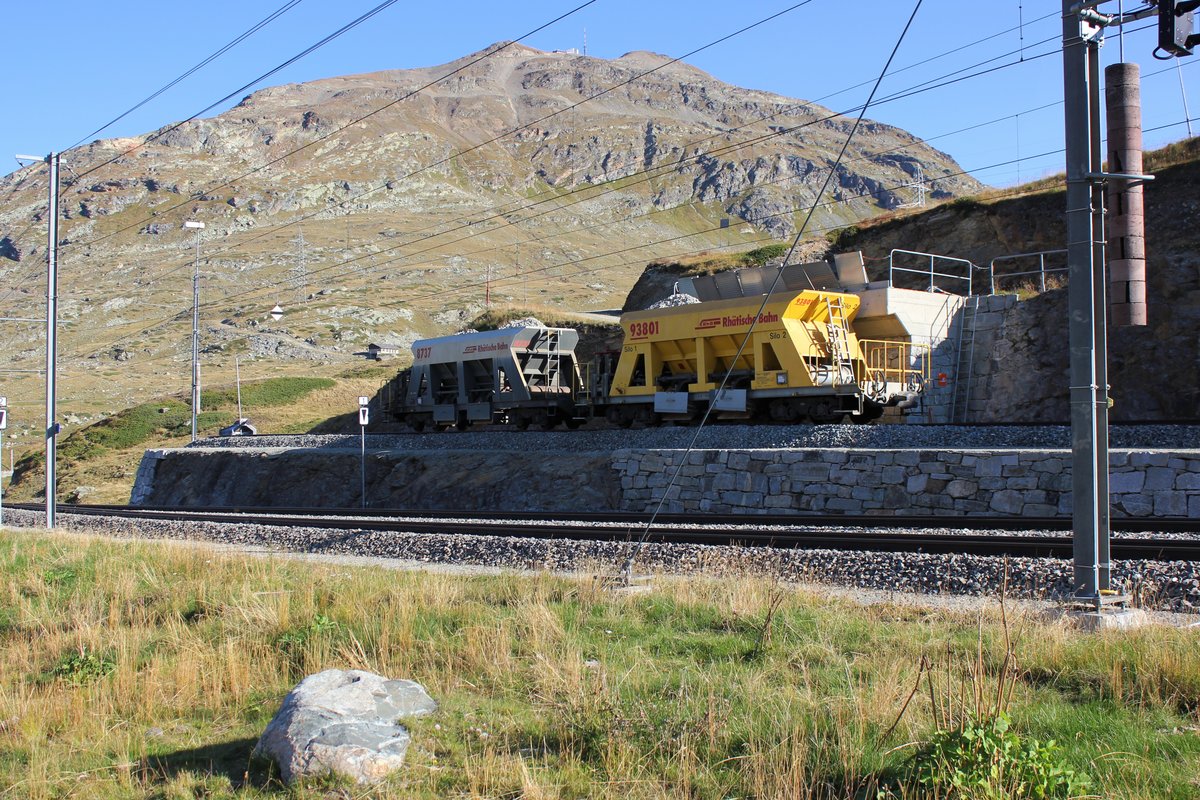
{"x":1041,"y":270}
{"x":963,"y":275}
{"x":898,"y":362}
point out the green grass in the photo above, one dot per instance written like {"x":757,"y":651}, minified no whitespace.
{"x":141,"y":425}
{"x":145,"y":671}
{"x":267,"y":393}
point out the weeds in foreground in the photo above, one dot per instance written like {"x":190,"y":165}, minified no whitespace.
{"x":171,"y":660}
{"x":974,"y":753}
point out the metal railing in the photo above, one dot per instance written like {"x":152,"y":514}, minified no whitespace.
{"x":893,"y":361}
{"x":1041,"y":271}
{"x":932,"y":272}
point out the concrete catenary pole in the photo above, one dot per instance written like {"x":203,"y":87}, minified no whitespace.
{"x":1126,"y":220}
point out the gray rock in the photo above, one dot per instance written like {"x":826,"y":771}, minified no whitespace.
{"x":343,"y":721}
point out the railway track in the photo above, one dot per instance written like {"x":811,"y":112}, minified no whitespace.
{"x":878,"y":534}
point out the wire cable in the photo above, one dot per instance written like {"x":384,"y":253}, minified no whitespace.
{"x":197,"y":195}
{"x":903,"y":94}
{"x":551,"y":196}
{"x":308,"y":50}
{"x":288,"y":6}
{"x":627,"y":568}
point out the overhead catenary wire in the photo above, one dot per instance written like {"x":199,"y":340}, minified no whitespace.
{"x":516,"y":281}
{"x":551,"y":196}
{"x":627,"y":567}
{"x":896,"y":96}
{"x":625,"y":182}
{"x":450,"y":158}
{"x":607,"y":187}
{"x":510,"y":281}
{"x":791,"y":106}
{"x":372,"y":254}
{"x":274,"y":15}
{"x":523,"y":275}
{"x":247,"y":86}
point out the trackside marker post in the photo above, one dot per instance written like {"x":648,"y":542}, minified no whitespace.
{"x":364,"y":416}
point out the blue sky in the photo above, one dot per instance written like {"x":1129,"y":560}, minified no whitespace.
{"x":71,"y":66}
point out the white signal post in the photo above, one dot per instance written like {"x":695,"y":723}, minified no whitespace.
{"x":364,"y":416}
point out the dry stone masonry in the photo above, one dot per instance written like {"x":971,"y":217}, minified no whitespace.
{"x":1030,"y":482}
{"x":1005,"y":483}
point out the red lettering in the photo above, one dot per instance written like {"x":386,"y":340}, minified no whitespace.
{"x":640,"y":330}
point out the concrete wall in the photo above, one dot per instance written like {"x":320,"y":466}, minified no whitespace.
{"x":954,"y":483}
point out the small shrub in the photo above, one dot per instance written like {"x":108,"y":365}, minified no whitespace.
{"x":83,"y":666}
{"x":762,"y":255}
{"x":842,"y":238}
{"x":987,"y":760}
{"x":60,"y":576}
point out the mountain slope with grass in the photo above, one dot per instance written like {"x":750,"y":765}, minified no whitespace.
{"x":98,"y":462}
{"x":366,"y":215}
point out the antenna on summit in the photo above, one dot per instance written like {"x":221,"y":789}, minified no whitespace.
{"x":585,"y":41}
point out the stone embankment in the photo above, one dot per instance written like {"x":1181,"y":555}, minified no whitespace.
{"x":832,"y":469}
{"x":1027,"y":483}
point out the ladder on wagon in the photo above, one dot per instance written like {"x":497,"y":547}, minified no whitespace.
{"x":543,"y":362}
{"x":837,"y":337}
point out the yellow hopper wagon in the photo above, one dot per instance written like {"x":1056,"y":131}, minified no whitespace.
{"x":797,"y":359}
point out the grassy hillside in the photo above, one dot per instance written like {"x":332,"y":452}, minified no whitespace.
{"x":148,"y":671}
{"x":97,"y":463}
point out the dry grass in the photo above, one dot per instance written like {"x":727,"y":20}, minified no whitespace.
{"x":134,"y":670}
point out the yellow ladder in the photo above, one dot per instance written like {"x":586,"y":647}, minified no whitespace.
{"x":837,"y":335}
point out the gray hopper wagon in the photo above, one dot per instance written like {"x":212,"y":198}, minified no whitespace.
{"x":520,"y":376}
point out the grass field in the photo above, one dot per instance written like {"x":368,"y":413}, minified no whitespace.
{"x":147,"y":671}
{"x":98,"y":462}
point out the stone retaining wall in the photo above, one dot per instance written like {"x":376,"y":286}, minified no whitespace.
{"x":1017,"y":483}
{"x":838,"y":481}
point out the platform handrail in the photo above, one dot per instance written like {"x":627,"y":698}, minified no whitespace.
{"x":932,"y":271}
{"x":1041,"y":270}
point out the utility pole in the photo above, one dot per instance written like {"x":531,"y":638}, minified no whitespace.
{"x":52,"y":427}
{"x":1083,"y":28}
{"x":197,"y":226}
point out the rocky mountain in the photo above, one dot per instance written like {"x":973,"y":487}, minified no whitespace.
{"x":374,"y":204}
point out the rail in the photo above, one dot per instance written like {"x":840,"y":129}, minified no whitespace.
{"x":932,"y":272}
{"x":872,"y":533}
{"x":1041,"y":271}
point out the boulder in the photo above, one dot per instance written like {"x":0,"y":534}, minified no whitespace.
{"x":343,"y":721}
